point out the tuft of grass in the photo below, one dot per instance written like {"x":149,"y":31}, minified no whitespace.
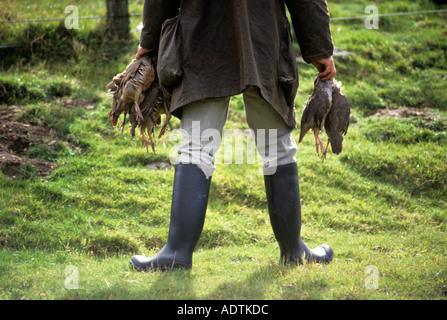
{"x":405,"y":131}
{"x":24,"y":89}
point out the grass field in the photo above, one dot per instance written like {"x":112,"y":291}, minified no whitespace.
{"x":381,"y":204}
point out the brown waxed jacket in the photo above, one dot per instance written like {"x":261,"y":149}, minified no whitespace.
{"x":215,"y":48}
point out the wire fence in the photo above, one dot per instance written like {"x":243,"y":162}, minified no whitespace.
{"x":63,"y":19}
{"x":395,"y":14}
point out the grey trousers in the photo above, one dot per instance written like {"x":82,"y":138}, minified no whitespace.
{"x":202,"y":128}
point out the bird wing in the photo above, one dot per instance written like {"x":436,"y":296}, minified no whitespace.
{"x":316,"y":110}
{"x":307,"y":118}
{"x":342,"y":111}
{"x":345,"y":113}
{"x":322,"y":108}
{"x":337,"y":121}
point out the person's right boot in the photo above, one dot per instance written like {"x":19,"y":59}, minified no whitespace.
{"x":283,"y":199}
{"x":188,"y":208}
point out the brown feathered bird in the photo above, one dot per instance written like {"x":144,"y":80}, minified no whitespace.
{"x":316,"y":110}
{"x":155,"y":103}
{"x":328,"y":109}
{"x":137,"y":92}
{"x":337,"y":121}
{"x":127,"y":87}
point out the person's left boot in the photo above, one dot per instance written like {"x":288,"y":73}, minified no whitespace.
{"x":283,"y":199}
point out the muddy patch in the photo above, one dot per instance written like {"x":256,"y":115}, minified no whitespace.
{"x":393,"y":112}
{"x":17,"y":138}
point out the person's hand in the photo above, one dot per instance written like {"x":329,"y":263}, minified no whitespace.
{"x":141,"y":51}
{"x":326,"y":67}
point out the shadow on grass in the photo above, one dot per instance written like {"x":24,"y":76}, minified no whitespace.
{"x":266,"y":284}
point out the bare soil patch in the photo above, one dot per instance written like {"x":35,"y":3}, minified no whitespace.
{"x":15,"y":140}
{"x":395,"y":112}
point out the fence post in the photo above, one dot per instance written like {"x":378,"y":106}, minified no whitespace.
{"x":118,"y":18}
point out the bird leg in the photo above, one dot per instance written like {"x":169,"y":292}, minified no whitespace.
{"x":327,"y":146}
{"x":168,"y":117}
{"x":140,"y":117}
{"x":152,"y":143}
{"x":123,"y":124}
{"x":324,"y":152}
{"x":145,"y":141}
{"x":318,"y":143}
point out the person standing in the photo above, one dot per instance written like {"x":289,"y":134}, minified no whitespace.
{"x":208,"y":51}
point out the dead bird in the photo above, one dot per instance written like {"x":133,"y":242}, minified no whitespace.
{"x":137,"y":92}
{"x":316,"y":111}
{"x":337,"y":121}
{"x":128,"y":87}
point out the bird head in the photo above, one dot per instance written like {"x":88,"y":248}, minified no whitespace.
{"x":336,"y":140}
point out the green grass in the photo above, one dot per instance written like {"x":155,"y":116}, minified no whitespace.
{"x":381,"y":203}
